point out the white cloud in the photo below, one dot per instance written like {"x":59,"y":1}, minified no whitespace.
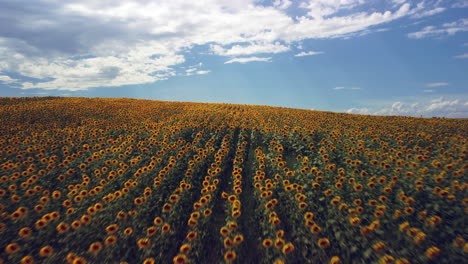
{"x":361,"y":111}
{"x":282,"y":4}
{"x":321,"y":8}
{"x":308,"y":53}
{"x":238,"y":50}
{"x":428,"y":90}
{"x":460,"y":4}
{"x":202,"y":72}
{"x":342,"y":26}
{"x":437,"y":84}
{"x":86,"y":43}
{"x":6,"y":79}
{"x":249,"y":59}
{"x":462,"y":56}
{"x":439,"y":107}
{"x":195,"y":70}
{"x":346,"y":88}
{"x":445,"y":29}
{"x":429,"y":12}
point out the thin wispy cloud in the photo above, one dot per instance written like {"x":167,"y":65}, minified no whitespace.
{"x":346,"y":88}
{"x":446,"y":29}
{"x":248,"y":59}
{"x":308,"y":53}
{"x":429,"y":12}
{"x":437,"y":84}
{"x":257,"y":48}
{"x":460,"y":4}
{"x":462,"y":56}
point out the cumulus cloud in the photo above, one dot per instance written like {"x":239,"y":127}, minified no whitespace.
{"x":308,"y":53}
{"x":439,"y":107}
{"x":446,"y":29}
{"x":248,"y":59}
{"x":437,"y":84}
{"x":79,"y":44}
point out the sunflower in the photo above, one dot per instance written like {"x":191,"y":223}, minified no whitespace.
{"x":70,"y":257}
{"x":409,"y":210}
{"x":149,"y":261}
{"x":386,"y":259}
{"x":288,"y":248}
{"x":165,"y":228}
{"x":308,"y":216}
{"x":379,"y":247}
{"x":267,"y":243}
{"x":459,"y":242}
{"x":279,"y":243}
{"x":355,"y":221}
{"x":224,"y":231}
{"x":41,"y":223}
{"x":95,"y":247}
{"x":85,"y":219}
{"x":46,"y":251}
{"x":27,"y":260}
{"x":230,"y":256}
{"x":76,"y":224}
{"x":63,"y":227}
{"x":110,"y":240}
{"x":207,"y":212}
{"x":112,"y":228}
{"x":167,"y":208}
{"x":236,"y":213}
{"x":315,"y":229}
{"x":432,"y":253}
{"x":12,"y":248}
{"x":143,"y":243}
{"x":192,"y":235}
{"x":228,"y":243}
{"x":128,"y":231}
{"x":158,"y":221}
{"x":402,"y":261}
{"x":79,"y":260}
{"x":323,"y":243}
{"x":25,"y":232}
{"x":238,"y":239}
{"x":335,"y":260}
{"x":185,"y":249}
{"x":419,"y":238}
{"x":358,"y":187}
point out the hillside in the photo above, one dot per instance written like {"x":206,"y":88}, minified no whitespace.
{"x":123,"y":180}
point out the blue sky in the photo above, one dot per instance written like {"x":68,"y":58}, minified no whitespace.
{"x":391,"y":57}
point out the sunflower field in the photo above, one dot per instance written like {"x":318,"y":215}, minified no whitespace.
{"x":89,"y":180}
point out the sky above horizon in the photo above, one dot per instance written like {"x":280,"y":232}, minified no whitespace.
{"x":383,"y":57}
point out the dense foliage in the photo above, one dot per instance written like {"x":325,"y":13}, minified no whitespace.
{"x":138,"y":181}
